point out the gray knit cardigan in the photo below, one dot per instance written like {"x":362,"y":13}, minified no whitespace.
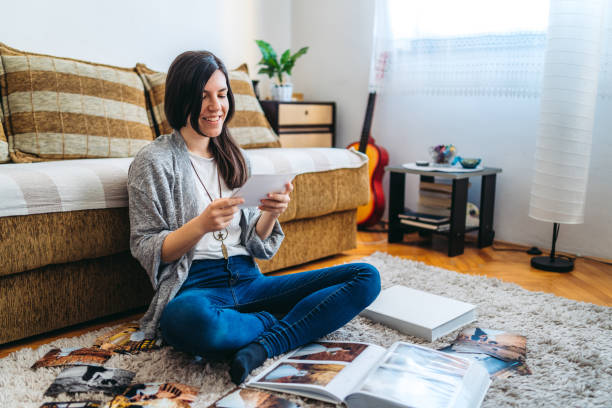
{"x":161,"y":189}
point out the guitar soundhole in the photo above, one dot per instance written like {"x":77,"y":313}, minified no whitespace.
{"x":306,"y":112}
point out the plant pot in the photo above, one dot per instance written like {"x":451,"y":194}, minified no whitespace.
{"x":282,"y":92}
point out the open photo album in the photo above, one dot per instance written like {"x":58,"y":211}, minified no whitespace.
{"x":367,"y":375}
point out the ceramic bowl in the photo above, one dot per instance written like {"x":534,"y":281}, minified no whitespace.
{"x":470,"y":163}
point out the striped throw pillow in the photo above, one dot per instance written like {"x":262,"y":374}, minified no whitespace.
{"x":249,"y":126}
{"x":4,"y":155}
{"x":60,"y":108}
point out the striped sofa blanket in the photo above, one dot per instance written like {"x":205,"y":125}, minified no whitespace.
{"x":71,"y":185}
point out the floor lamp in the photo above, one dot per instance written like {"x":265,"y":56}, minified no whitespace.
{"x":567,"y":113}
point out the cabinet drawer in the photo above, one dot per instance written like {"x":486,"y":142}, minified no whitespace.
{"x":306,"y":140}
{"x":305,"y":114}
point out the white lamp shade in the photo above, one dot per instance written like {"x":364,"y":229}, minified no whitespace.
{"x":567,"y":111}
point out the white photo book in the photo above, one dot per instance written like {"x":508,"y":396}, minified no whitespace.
{"x":366,"y":375}
{"x":420,"y":314}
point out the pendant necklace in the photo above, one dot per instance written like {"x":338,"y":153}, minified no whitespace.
{"x":218,"y":235}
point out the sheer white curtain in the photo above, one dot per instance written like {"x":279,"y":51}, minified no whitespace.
{"x":475,"y":73}
{"x":472,"y":47}
{"x":481,"y":47}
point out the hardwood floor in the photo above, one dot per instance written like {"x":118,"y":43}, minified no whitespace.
{"x":590,"y":281}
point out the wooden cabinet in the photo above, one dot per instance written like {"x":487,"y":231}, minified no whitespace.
{"x":302,"y":124}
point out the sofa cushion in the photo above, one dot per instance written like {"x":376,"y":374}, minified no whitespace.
{"x":155,"y":86}
{"x":61,"y":108}
{"x":60,"y":186}
{"x":249,"y":126}
{"x":72,"y":185}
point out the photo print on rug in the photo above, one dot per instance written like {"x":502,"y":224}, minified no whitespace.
{"x":496,"y":343}
{"x":73,"y":356}
{"x":171,"y":392}
{"x":88,"y":378}
{"x":126,"y":338}
{"x":497,"y":368}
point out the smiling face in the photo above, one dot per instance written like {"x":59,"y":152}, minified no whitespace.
{"x":215,"y":105}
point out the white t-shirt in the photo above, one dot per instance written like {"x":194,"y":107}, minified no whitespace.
{"x":208,"y":247}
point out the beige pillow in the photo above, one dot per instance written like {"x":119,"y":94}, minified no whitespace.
{"x":249,"y":126}
{"x":61,"y":108}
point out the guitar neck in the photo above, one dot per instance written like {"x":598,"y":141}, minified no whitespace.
{"x":367,"y":123}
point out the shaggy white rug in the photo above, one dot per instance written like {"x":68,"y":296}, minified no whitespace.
{"x":569,"y":346}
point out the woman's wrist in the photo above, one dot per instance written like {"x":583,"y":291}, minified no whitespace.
{"x":265,"y":224}
{"x":201,"y":225}
{"x":270,"y":215}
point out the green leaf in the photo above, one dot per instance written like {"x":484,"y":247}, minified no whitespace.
{"x":298,"y":54}
{"x":268,"y":71}
{"x":265,"y":48}
{"x":285,"y":57}
{"x":289,"y":66}
{"x":269,"y":59}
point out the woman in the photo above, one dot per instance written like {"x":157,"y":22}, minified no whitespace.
{"x":198,"y":246}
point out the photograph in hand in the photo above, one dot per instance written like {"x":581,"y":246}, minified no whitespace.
{"x":258,"y":186}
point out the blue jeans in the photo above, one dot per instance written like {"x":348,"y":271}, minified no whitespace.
{"x":226,"y":304}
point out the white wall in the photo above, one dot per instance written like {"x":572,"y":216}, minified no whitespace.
{"x":123,"y":32}
{"x":336,"y":67}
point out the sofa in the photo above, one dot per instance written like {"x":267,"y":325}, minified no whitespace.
{"x":68,"y":131}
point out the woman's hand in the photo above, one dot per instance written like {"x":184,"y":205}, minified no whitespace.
{"x":219,"y":214}
{"x":215,"y":217}
{"x":271,"y":208}
{"x":276,"y":203}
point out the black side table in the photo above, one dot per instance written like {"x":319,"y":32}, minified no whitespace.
{"x":456,"y":233}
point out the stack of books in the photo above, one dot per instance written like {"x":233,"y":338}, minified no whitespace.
{"x":423,"y":220}
{"x":434,"y":208}
{"x":435,"y":198}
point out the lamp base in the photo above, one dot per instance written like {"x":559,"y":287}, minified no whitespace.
{"x":555,"y":264}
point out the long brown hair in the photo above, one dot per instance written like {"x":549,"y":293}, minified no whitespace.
{"x":185,"y":83}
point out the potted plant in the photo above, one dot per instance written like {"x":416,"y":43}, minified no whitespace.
{"x":275,"y":68}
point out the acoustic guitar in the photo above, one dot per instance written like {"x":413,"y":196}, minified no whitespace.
{"x":370,"y":213}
